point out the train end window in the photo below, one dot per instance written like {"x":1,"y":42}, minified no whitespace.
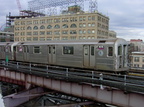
{"x":110,"y":51}
{"x":68,"y":50}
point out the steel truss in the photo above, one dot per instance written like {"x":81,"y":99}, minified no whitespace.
{"x":52,"y":7}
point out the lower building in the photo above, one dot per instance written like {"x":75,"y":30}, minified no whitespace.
{"x":137,"y":60}
{"x":6,"y":36}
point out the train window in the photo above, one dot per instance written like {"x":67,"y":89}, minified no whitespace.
{"x":92,"y":50}
{"x":2,"y":49}
{"x":36,"y":49}
{"x":49,"y":50}
{"x":110,"y":51}
{"x":7,"y":49}
{"x":53,"y":50}
{"x":85,"y":51}
{"x":26,"y":49}
{"x":68,"y":50}
{"x":20,"y":49}
{"x":119,"y":50}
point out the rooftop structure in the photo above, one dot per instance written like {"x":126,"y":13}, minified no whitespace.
{"x":51,"y":7}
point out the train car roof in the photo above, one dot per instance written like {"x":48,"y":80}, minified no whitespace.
{"x":5,"y":43}
{"x":86,"y":41}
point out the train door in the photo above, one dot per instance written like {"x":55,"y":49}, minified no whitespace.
{"x":89,"y":55}
{"x":51,"y":54}
{"x":120,"y":57}
{"x":125,"y":57}
{"x":26,"y":53}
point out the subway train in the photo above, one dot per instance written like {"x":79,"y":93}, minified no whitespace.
{"x":96,"y":54}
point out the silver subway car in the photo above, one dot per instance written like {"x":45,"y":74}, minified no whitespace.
{"x":98,"y":54}
{"x":7,"y":50}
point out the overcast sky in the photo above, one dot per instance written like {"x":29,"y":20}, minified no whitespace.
{"x":126,"y":16}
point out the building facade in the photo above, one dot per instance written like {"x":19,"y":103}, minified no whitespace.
{"x":6,"y":36}
{"x":137,"y":60}
{"x":62,"y":27}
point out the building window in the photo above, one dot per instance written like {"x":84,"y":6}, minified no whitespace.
{"x":42,"y":38}
{"x":35,"y":22}
{"x":64,"y":32}
{"x":49,"y":27}
{"x":28,"y":38}
{"x":80,"y":31}
{"x":136,"y":59}
{"x":64,"y":38}
{"x":93,"y":17}
{"x":36,"y":49}
{"x":82,"y":25}
{"x":42,"y":21}
{"x":64,"y":19}
{"x":35,"y":38}
{"x":35,"y":33}
{"x":29,"y":33}
{"x":56,"y":26}
{"x":89,"y":17}
{"x":80,"y":19}
{"x":73,"y":26}
{"x":65,"y":26}
{"x":89,"y":31}
{"x":93,"y":31}
{"x":136,"y":65}
{"x":29,"y":28}
{"x":93,"y":24}
{"x":42,"y":32}
{"x":49,"y":33}
{"x":57,"y":32}
{"x":89,"y":25}
{"x":49,"y":38}
{"x":49,"y":20}
{"x":56,"y":38}
{"x":29,"y":22}
{"x":73,"y":32}
{"x":42,"y":27}
{"x":35,"y":28}
{"x":73,"y":37}
{"x":68,"y":50}
{"x":73,"y":19}
{"x":56,"y":20}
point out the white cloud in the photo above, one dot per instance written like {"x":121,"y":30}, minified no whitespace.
{"x":126,"y":16}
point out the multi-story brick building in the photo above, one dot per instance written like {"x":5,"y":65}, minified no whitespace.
{"x":137,"y":60}
{"x":62,"y":27}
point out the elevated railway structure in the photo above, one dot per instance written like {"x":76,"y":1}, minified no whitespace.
{"x":120,"y":90}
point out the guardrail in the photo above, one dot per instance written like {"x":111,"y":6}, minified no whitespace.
{"x":124,"y":82}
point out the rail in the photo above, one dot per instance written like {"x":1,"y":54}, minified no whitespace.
{"x":126,"y":83}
